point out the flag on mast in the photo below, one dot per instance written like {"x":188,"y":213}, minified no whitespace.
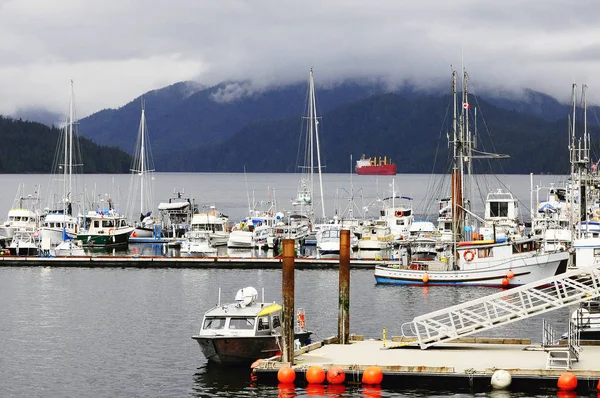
{"x":466,"y":105}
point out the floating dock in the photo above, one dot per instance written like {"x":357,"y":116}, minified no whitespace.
{"x":178,"y":262}
{"x":466,"y":364}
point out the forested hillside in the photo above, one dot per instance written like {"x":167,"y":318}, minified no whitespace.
{"x":29,"y":147}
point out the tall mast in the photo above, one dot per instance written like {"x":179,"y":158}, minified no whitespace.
{"x":457,"y":170}
{"x":70,"y":139}
{"x":311,"y":121}
{"x":316,"y":123}
{"x":466,"y":140}
{"x":586,"y":147}
{"x":142,"y":158}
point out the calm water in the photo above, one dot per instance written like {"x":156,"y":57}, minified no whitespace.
{"x":126,"y":332}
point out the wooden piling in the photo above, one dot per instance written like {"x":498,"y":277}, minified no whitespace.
{"x":344,"y":296}
{"x":287,"y":292}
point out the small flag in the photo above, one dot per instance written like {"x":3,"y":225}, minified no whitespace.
{"x":466,"y":105}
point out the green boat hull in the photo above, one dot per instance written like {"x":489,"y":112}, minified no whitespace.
{"x":92,"y":240}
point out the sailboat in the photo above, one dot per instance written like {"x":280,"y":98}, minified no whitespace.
{"x":142,"y":187}
{"x":60,"y":222}
{"x":470,"y":259}
{"x":302,"y":218}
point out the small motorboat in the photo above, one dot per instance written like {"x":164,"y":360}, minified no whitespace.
{"x":241,"y":332}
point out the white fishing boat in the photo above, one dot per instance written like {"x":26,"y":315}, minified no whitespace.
{"x":197,"y":243}
{"x":24,"y":215}
{"x":176,"y":215}
{"x":241,"y":332}
{"x":141,"y":187}
{"x":104,"y":228}
{"x":213,"y":222}
{"x":24,"y":243}
{"x":495,"y":262}
{"x":376,"y":236}
{"x":252,"y":232}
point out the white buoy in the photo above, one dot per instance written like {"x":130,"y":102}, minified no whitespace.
{"x":501,"y":379}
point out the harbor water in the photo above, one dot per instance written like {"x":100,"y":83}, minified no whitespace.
{"x":127,"y":332}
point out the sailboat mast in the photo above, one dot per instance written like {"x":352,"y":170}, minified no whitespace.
{"x":456,"y":171}
{"x":316,"y":128}
{"x":142,"y":158}
{"x":70,"y":139}
{"x":311,"y":122}
{"x":586,"y":147}
{"x":573,"y":163}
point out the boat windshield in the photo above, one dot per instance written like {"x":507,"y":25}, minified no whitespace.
{"x":241,"y":323}
{"x":214,"y":323}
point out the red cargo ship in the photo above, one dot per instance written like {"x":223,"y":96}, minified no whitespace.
{"x":368,"y":166}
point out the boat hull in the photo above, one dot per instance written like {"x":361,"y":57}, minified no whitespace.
{"x":381,"y":170}
{"x":237,"y":350}
{"x":525,"y":271}
{"x":121,"y":239}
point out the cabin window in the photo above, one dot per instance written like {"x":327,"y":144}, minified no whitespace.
{"x":597,"y":252}
{"x":399,"y":222}
{"x":485,"y":252}
{"x":214,"y":323}
{"x":263,"y":323}
{"x":96,"y":224}
{"x":499,"y":209}
{"x":276,"y":322}
{"x":241,"y":323}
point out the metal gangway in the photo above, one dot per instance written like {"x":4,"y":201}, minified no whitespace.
{"x":505,"y":307}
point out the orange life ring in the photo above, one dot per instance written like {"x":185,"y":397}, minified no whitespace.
{"x":399,"y":213}
{"x":469,"y":255}
{"x":301,"y":323}
{"x":111,"y":231}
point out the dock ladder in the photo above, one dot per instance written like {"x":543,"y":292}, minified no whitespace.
{"x":505,"y":307}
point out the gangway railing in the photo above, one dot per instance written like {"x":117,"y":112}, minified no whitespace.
{"x":505,"y":307}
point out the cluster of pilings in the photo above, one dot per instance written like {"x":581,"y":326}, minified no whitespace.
{"x":288,"y":288}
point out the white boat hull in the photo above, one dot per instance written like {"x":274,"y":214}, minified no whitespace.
{"x":493,"y":273}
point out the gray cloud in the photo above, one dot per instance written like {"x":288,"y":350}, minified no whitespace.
{"x":117,"y":49}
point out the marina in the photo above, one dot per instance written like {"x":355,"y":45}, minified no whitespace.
{"x":437,"y":344}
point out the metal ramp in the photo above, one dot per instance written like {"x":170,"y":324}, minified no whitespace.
{"x":561,"y":357}
{"x":505,"y":307}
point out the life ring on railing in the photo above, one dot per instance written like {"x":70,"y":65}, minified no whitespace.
{"x":213,"y":212}
{"x":111,"y":231}
{"x":301,"y":323}
{"x":399,"y":213}
{"x":469,"y":255}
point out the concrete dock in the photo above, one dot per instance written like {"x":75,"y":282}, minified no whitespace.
{"x":466,"y":364}
{"x":178,"y":262}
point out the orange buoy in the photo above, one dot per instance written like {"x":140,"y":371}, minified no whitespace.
{"x":510,"y":274}
{"x":315,"y":375}
{"x":134,"y":234}
{"x":315,"y":390}
{"x":286,"y":375}
{"x":372,"y":375}
{"x":504,"y":281}
{"x":336,"y":375}
{"x":567,"y":381}
{"x":425,"y":277}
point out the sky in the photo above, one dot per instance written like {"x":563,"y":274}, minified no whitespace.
{"x":115,"y":50}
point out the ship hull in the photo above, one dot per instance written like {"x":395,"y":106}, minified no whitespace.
{"x":382,"y":170}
